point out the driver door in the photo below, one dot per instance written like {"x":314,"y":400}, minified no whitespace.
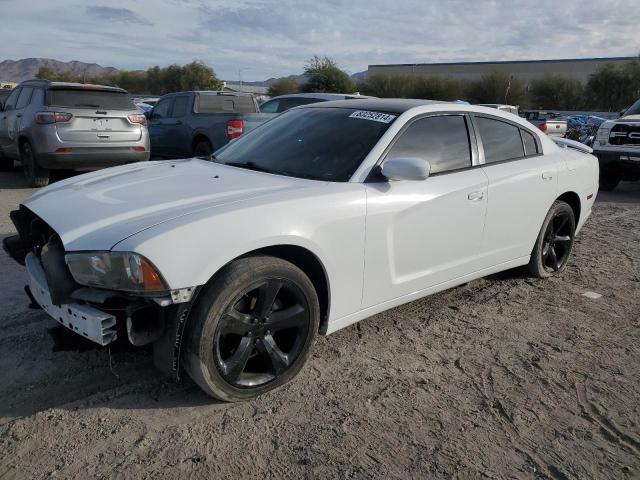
{"x":159,"y":128}
{"x":420,"y":234}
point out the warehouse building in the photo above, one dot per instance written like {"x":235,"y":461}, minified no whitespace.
{"x":524,"y":70}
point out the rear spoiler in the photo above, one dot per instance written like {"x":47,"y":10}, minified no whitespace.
{"x":572,"y":144}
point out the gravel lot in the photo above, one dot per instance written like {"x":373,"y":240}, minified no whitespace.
{"x":505,"y":377}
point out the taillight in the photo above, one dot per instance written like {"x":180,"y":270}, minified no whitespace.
{"x":543,"y":127}
{"x":235,"y":128}
{"x":138,"y":118}
{"x":138,"y":148}
{"x":44,"y":118}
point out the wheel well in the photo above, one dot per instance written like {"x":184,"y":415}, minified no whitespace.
{"x":573,"y":200}
{"x":200,"y":138}
{"x":311,"y":266}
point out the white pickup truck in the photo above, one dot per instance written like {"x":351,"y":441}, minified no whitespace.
{"x":617,"y":147}
{"x":550,"y":123}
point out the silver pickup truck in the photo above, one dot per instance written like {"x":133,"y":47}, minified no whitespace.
{"x":197,"y":123}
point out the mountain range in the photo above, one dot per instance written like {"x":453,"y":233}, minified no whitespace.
{"x":27,"y":68}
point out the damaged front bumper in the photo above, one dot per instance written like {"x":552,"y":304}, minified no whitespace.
{"x":85,"y":320}
{"x":99,"y":315}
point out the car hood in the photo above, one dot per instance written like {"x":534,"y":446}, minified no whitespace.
{"x":97,"y":210}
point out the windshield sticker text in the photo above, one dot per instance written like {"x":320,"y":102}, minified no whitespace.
{"x":374,"y":116}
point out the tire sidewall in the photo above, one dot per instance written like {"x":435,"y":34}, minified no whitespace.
{"x":200,"y":361}
{"x":537,"y":263}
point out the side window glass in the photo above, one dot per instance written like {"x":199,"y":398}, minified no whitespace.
{"x":24,"y":98}
{"x":530,"y":145}
{"x":37,"y":97}
{"x":10,"y":103}
{"x":180,"y":106}
{"x":442,"y":140}
{"x":161,"y":110}
{"x":270,"y":107}
{"x":501,"y":140}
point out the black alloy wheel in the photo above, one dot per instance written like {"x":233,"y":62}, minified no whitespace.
{"x":251,"y":329}
{"x":262,"y":333}
{"x":558,"y":240}
{"x":554,"y":244}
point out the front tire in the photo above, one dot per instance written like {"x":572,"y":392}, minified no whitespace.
{"x":35,"y":174}
{"x":252,"y":328}
{"x":555,"y":241}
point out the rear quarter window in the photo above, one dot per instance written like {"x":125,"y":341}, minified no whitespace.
{"x":80,"y":98}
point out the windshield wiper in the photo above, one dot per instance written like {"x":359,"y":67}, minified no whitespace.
{"x":255,"y":167}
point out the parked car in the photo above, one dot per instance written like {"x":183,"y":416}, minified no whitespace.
{"x":283,"y":103}
{"x":188,"y":124}
{"x":551,"y":123}
{"x":617,"y":147}
{"x":323,"y":216}
{"x":56,"y":125}
{"x":4,"y":93}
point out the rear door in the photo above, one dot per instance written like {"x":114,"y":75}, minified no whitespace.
{"x":176,"y":134}
{"x":160,"y":144}
{"x":100,"y":117}
{"x":423,"y":233}
{"x":523,"y":184}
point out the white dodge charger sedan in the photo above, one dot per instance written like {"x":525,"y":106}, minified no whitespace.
{"x":231,"y":265}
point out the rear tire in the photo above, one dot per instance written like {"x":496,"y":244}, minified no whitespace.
{"x":555,"y":241}
{"x":203,"y":149}
{"x":252,"y":328}
{"x":35,"y":174}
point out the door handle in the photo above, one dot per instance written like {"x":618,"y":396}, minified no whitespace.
{"x":18,"y":115}
{"x":547,"y":176}
{"x":475,"y":196}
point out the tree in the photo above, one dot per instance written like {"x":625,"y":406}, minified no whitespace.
{"x":197,"y":76}
{"x":497,"y":87}
{"x":323,"y":75}
{"x":283,"y":86}
{"x":557,"y":92}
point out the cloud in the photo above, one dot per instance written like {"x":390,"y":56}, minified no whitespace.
{"x":267,"y":38}
{"x":117,"y":14}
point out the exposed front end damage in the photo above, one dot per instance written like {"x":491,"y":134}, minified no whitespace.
{"x":102,"y":316}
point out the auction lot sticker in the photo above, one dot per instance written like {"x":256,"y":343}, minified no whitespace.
{"x":374,"y":116}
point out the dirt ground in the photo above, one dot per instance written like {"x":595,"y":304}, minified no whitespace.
{"x":505,"y":377}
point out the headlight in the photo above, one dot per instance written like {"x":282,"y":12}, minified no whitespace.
{"x":122,"y":271}
{"x":603,"y":135}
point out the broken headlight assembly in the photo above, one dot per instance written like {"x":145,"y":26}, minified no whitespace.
{"x":121,"y":271}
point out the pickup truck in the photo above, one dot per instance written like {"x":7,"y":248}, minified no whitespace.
{"x":197,"y":123}
{"x":552,"y":124}
{"x":617,"y":147}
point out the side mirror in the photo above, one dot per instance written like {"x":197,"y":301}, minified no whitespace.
{"x":147,"y":114}
{"x":622,"y":111}
{"x":406,"y":169}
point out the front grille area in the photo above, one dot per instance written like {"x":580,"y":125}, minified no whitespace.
{"x":625,"y":134}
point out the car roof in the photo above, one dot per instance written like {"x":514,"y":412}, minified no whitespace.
{"x":322,"y":96}
{"x":71,"y":85}
{"x":391,"y":105}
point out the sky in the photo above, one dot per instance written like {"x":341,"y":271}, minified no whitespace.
{"x":259,"y":39}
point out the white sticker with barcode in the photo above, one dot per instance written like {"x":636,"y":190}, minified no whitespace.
{"x":373,"y":116}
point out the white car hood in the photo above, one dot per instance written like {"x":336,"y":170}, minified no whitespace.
{"x":97,"y":210}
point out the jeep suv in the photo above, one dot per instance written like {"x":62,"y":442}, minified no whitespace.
{"x":54,"y":125}
{"x":617,"y":147}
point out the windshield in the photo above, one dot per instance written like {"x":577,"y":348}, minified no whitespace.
{"x":315,"y":143}
{"x":633,"y":110}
